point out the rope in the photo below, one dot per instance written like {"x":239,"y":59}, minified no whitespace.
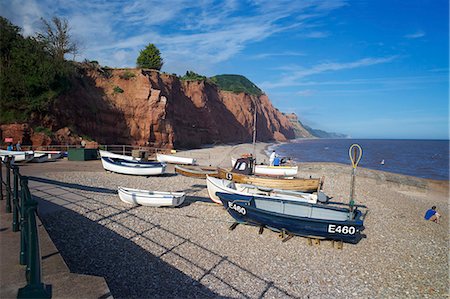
{"x":353,"y":159}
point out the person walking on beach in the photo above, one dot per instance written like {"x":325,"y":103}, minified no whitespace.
{"x":10,"y":147}
{"x":272,"y":157}
{"x":432,"y":215}
{"x":18,"y":147}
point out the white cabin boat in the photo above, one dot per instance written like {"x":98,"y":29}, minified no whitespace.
{"x":278,"y":171}
{"x":117,"y":156}
{"x":151,"y":198}
{"x":174,"y":159}
{"x":133,"y":167}
{"x":225,"y":186}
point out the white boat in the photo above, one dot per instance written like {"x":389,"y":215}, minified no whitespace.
{"x":40,"y":158}
{"x":52,"y":155}
{"x":117,"y":156}
{"x":278,"y":171}
{"x":174,"y":159}
{"x":151,"y":198}
{"x":285,"y":171}
{"x":133,"y":167}
{"x":19,"y":156}
{"x":225,"y":186}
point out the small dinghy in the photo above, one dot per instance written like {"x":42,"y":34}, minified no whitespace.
{"x":52,"y":155}
{"x":151,"y":198}
{"x":40,"y":158}
{"x":174,"y":159}
{"x":19,"y":156}
{"x":117,"y":156}
{"x":294,"y":217}
{"x":196,"y":171}
{"x":215,"y":185}
{"x":133,"y":167}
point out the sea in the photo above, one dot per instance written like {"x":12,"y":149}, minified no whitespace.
{"x":420,"y":158}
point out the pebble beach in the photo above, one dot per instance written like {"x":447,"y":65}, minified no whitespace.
{"x":188,"y":251}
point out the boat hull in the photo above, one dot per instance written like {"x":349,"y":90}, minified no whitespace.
{"x":133,"y":168}
{"x":243,"y":209}
{"x":151,"y":198}
{"x":19,"y":156}
{"x":277,"y":171}
{"x":298,"y":184}
{"x":174,"y":159}
{"x":215,"y":185}
{"x":117,"y":156}
{"x":196,"y":171}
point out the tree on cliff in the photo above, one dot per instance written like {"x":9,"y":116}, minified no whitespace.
{"x":30,"y":79}
{"x":150,"y":58}
{"x":57,"y":38}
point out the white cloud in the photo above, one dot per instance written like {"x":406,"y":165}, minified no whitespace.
{"x":417,"y":34}
{"x":292,"y":78}
{"x":195,"y":32}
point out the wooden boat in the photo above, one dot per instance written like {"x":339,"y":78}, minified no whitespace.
{"x":117,"y":156}
{"x":196,"y":171}
{"x":151,"y":198}
{"x":52,"y":155}
{"x":298,"y":184}
{"x":133,"y":167}
{"x":294,"y":217}
{"x":19,"y":156}
{"x":174,"y":159}
{"x":225,"y":186}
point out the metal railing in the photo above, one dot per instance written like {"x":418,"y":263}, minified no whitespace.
{"x":20,"y":202}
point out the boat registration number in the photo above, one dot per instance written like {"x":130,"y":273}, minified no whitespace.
{"x":237,"y":208}
{"x":341,"y":229}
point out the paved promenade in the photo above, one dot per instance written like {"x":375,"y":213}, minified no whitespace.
{"x":55,"y":273}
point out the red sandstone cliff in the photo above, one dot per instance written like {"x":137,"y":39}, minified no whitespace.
{"x":160,"y":110}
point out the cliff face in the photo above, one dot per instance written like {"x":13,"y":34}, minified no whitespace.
{"x":299,"y":129}
{"x":151,"y":108}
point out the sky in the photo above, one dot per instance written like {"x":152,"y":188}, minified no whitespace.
{"x":369,"y":69}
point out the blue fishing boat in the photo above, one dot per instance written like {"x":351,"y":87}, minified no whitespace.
{"x":296,"y":218}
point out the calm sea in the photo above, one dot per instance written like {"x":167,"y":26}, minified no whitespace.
{"x":420,"y":158}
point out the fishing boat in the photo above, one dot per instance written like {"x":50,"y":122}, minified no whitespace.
{"x":151,"y":198}
{"x":133,"y":167}
{"x":117,"y":156}
{"x":196,"y":171}
{"x":242,"y":173}
{"x":52,"y":155}
{"x":215,"y":185}
{"x":276,"y":171}
{"x":298,"y":184}
{"x":295,"y":217}
{"x":19,"y":156}
{"x":174,"y":159}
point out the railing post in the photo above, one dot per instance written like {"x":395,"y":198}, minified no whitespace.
{"x":23,"y":221}
{"x":1,"y":179}
{"x":8,"y":185}
{"x":35,"y":288}
{"x":123,"y":149}
{"x":15,"y":224}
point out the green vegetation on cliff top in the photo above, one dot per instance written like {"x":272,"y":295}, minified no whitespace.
{"x":236,"y":83}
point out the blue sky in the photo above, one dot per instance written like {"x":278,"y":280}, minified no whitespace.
{"x":370,"y":69}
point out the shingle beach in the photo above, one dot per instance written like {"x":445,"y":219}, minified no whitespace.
{"x":188,"y":252}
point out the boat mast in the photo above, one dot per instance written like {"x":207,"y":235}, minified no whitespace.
{"x":254,"y":132}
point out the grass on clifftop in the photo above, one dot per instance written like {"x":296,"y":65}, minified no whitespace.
{"x":236,"y":83}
